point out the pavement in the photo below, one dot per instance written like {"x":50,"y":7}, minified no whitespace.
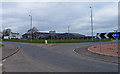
{"x":105,"y":49}
{"x":83,"y":52}
{"x":54,"y":58}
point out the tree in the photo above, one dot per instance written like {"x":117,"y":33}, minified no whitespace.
{"x":32,"y":31}
{"x":6,"y":32}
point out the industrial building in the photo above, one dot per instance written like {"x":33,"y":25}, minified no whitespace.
{"x":52,"y":35}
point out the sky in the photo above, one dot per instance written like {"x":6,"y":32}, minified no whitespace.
{"x":59,"y":15}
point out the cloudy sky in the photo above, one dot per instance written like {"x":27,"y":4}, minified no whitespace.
{"x":59,"y":15}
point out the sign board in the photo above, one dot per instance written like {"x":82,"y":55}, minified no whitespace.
{"x":110,"y":35}
{"x":116,"y":35}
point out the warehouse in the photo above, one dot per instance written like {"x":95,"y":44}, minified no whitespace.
{"x":52,"y":35}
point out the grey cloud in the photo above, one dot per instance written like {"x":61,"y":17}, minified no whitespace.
{"x":57,"y":16}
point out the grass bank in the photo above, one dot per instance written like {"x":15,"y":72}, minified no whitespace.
{"x":1,"y":45}
{"x":56,"y":41}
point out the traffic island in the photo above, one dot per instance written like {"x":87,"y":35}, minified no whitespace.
{"x":105,"y":49}
{"x":84,"y":52}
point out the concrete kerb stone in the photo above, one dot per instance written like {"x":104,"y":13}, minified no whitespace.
{"x":102,"y":54}
{"x":4,"y":58}
{"x":95,"y":56}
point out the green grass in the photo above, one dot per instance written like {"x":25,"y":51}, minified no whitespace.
{"x":1,"y":45}
{"x":56,"y":41}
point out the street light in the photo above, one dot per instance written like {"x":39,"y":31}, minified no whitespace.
{"x":91,"y":22}
{"x":31,"y":26}
{"x":68,"y":32}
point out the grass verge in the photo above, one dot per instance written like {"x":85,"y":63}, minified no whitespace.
{"x":56,"y":41}
{"x":1,"y":45}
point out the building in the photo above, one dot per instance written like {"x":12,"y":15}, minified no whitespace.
{"x":52,"y":31}
{"x":53,"y":35}
{"x":15,"y":36}
{"x":27,"y":36}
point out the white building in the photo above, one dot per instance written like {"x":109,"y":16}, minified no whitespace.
{"x":15,"y":36}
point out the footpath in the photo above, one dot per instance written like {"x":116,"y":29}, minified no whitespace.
{"x":93,"y":52}
{"x":105,"y":49}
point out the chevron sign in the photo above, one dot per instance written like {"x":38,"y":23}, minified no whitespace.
{"x":106,"y":35}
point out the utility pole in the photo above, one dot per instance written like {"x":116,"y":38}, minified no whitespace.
{"x":31,"y":26}
{"x":68,"y":32}
{"x":91,"y":22}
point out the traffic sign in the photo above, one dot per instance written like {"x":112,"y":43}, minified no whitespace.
{"x":109,"y":35}
{"x":105,"y":35}
{"x":116,"y":35}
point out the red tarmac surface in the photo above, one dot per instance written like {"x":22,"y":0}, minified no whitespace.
{"x":106,"y":49}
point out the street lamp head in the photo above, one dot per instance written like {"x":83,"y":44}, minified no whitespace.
{"x":90,"y":7}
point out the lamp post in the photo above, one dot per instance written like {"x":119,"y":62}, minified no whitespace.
{"x":68,"y":32}
{"x":91,"y":22}
{"x":31,"y":26}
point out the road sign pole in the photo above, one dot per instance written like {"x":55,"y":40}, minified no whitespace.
{"x":116,"y":35}
{"x":117,"y":45}
{"x":100,"y":45}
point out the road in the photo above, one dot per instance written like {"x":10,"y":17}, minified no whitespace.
{"x":54,"y":58}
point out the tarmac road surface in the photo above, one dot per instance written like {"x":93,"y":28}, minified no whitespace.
{"x":54,"y":58}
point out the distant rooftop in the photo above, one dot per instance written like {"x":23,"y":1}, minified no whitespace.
{"x":43,"y":31}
